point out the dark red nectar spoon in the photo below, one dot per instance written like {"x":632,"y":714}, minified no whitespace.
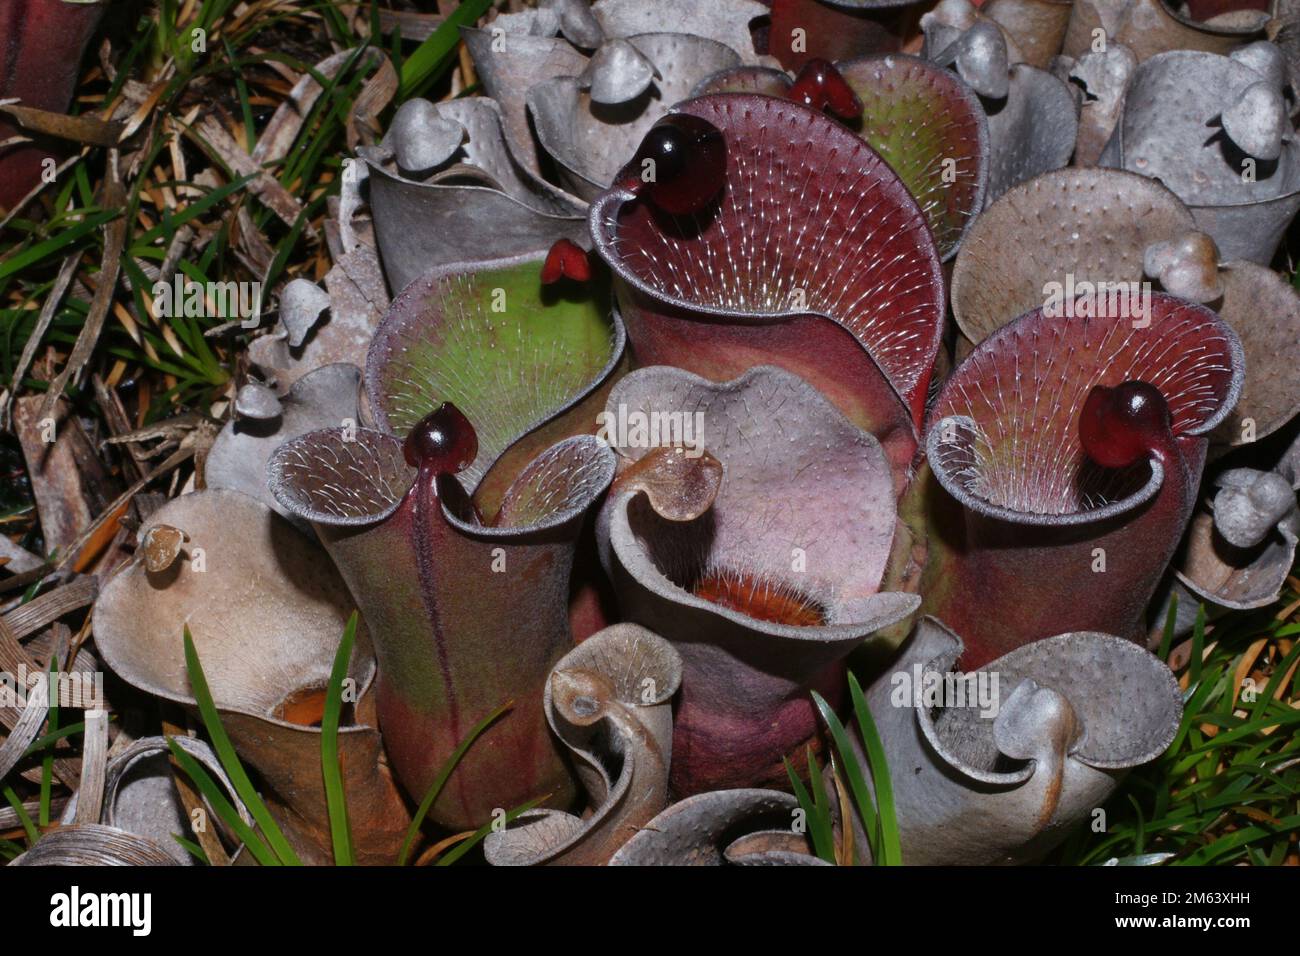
{"x":1119,"y":425}
{"x":442,"y":442}
{"x":566,"y":260}
{"x":680,"y":166}
{"x":823,"y":87}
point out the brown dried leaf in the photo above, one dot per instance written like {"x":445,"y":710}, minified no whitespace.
{"x":86,"y":129}
{"x":113,"y":197}
{"x":264,"y":186}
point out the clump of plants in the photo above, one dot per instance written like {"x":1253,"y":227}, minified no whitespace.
{"x":819,"y":433}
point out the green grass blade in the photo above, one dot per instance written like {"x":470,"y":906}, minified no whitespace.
{"x":286,"y":245}
{"x":195,"y":209}
{"x":824,"y":832}
{"x":443,"y":773}
{"x":852,"y":770}
{"x":481,"y":833}
{"x":335,"y":797}
{"x":222,"y":806}
{"x":55,"y":244}
{"x":1139,"y":834}
{"x":1198,"y":647}
{"x":54,"y":736}
{"x":891,"y":849}
{"x":192,"y":848}
{"x":1283,"y":718}
{"x":47,"y":761}
{"x":1167,"y":639}
{"x":241,"y":91}
{"x":1265,"y":699}
{"x":427,"y":59}
{"x":28,"y":827}
{"x":1238,"y":838}
{"x":812,"y":815}
{"x":230,"y":760}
